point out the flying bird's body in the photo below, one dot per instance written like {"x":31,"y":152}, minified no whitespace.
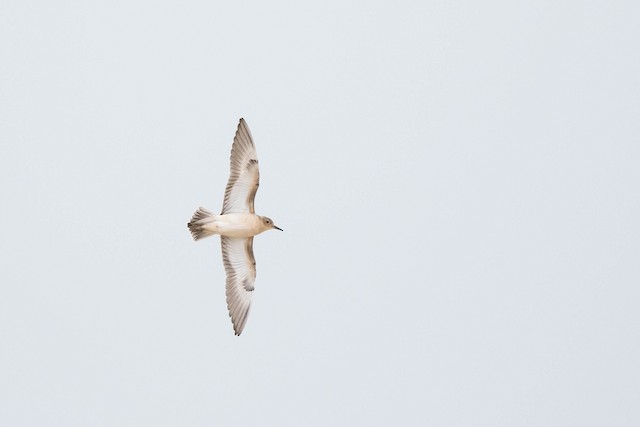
{"x":237,"y":225}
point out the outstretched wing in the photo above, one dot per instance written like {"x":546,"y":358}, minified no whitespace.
{"x":245,"y":176}
{"x":240,"y":266}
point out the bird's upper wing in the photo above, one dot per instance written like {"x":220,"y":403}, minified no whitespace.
{"x":240,"y":266}
{"x":245,"y":176}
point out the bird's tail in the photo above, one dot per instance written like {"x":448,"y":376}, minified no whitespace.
{"x":200,"y":219}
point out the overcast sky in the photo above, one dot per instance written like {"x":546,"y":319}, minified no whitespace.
{"x":458,"y":182}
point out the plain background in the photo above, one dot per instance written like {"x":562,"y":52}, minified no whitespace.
{"x":458,"y":183}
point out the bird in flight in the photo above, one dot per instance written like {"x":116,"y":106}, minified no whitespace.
{"x":236,"y":225}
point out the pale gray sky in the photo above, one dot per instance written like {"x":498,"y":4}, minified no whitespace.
{"x":458,"y":183}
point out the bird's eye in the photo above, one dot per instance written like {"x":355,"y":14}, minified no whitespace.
{"x":268,"y":222}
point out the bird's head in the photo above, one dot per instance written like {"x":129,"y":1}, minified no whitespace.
{"x":267,"y":224}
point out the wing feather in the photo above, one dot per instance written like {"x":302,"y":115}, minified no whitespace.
{"x":240,"y":266}
{"x":245,"y":174}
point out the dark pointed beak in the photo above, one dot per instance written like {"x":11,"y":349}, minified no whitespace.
{"x":278,"y":228}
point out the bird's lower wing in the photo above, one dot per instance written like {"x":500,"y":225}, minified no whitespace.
{"x":240,"y":266}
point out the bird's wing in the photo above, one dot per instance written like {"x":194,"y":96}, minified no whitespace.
{"x":240,"y":266}
{"x":245,"y":176}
